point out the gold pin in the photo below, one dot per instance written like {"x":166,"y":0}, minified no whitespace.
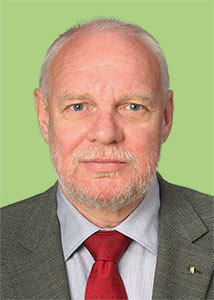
{"x":192,"y":270}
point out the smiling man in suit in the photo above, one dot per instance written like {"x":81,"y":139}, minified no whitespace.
{"x":111,"y":227}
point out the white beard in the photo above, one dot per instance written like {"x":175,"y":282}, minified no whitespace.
{"x":133,"y":190}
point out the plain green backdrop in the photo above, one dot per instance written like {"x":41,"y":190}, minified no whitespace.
{"x":185,"y":32}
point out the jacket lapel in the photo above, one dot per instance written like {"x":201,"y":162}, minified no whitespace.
{"x":183,"y":269}
{"x":39,"y":270}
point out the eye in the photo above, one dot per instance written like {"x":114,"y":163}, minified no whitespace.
{"x":77,"y":107}
{"x":135,"y":107}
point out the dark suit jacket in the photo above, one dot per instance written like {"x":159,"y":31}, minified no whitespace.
{"x":32,"y":258}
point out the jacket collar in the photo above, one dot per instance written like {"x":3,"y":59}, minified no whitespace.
{"x":38,"y":271}
{"x":180,"y":226}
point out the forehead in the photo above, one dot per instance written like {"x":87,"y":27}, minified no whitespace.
{"x":103,"y":56}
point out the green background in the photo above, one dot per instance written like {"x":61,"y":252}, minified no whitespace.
{"x":185,"y":32}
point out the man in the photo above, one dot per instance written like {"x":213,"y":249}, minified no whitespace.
{"x":105,"y":109}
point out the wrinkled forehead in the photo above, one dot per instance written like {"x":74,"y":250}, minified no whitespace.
{"x":99,"y":49}
{"x":103,"y":53}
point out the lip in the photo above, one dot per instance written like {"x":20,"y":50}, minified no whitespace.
{"x":103,"y":165}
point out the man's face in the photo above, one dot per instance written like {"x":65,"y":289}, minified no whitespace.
{"x":105,"y":120}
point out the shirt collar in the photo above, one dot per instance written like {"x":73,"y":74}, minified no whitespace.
{"x":141,"y":225}
{"x":74,"y":227}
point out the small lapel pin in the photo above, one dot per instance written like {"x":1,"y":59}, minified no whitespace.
{"x":191,"y":270}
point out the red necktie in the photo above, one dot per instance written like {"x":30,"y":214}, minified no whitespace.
{"x":104,"y":281}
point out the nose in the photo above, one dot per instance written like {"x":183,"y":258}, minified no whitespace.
{"x":105,"y":130}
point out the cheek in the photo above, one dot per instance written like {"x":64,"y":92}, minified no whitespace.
{"x":145,"y":143}
{"x":66,"y":138}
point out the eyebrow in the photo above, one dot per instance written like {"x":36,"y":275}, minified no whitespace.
{"x":73,"y":97}
{"x":143,"y":97}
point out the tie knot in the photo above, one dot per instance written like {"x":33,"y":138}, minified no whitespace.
{"x":107,"y":245}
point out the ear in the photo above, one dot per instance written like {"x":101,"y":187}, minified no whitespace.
{"x":168,"y":116}
{"x":42,"y":113}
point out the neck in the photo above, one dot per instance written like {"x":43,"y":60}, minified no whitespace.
{"x":103,"y":218}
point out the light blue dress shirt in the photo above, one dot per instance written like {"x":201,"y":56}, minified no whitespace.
{"x":137,"y":264}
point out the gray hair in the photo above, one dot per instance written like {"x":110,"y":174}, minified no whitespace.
{"x":100,"y":25}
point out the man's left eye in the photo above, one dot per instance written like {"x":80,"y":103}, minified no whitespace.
{"x":135,"y":107}
{"x":77,"y":107}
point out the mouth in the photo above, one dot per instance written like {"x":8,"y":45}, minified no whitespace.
{"x":103,"y":165}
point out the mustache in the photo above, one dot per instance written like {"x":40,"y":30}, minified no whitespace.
{"x":110,"y":152}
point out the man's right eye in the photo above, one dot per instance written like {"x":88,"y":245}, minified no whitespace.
{"x":77,"y":107}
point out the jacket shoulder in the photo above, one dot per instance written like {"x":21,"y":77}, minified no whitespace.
{"x":14,"y":216}
{"x":200,"y":201}
{"x":186,"y":205}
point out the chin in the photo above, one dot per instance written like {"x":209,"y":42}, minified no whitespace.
{"x":106,"y":192}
